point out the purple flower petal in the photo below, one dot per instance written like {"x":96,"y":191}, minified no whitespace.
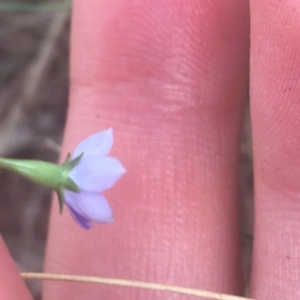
{"x":97,"y":144}
{"x":88,"y":206}
{"x":96,"y":174}
{"x":93,"y":173}
{"x":84,"y":222}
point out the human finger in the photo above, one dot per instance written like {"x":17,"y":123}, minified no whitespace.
{"x":170,"y":77}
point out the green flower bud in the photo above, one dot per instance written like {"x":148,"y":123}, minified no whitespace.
{"x":45,"y":173}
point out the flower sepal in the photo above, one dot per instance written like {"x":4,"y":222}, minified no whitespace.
{"x":61,"y":199}
{"x":67,"y":166}
{"x":67,"y":183}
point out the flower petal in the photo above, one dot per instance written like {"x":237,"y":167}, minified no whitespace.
{"x":96,"y":174}
{"x":89,"y":206}
{"x":84,"y":222}
{"x":99,"y":144}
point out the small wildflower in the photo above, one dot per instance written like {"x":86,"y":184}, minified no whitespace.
{"x":80,"y":180}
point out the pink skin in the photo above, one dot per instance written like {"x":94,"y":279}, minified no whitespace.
{"x":275,"y":108}
{"x":170,"y":77}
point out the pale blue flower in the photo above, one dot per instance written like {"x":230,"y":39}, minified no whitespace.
{"x":94,"y":173}
{"x":80,"y":180}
